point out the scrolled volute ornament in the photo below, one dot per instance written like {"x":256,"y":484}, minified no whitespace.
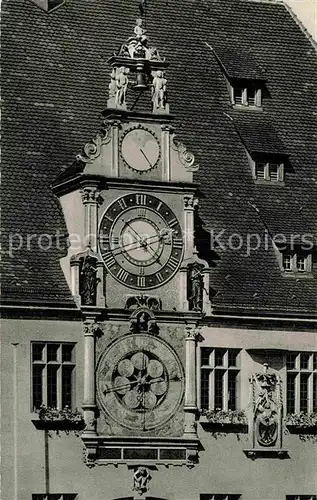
{"x":185,"y":157}
{"x":92,"y":149}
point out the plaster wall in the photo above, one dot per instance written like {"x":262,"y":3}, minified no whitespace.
{"x":223,"y":467}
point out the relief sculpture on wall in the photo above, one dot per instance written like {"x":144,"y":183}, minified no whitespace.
{"x":266,"y":405}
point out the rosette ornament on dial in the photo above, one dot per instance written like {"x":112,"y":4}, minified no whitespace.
{"x":140,"y":382}
{"x":140,"y":241}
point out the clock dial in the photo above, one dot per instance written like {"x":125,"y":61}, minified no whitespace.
{"x":140,"y":382}
{"x":140,"y":241}
{"x":140,"y":149}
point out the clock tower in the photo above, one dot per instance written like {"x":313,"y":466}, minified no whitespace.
{"x":137,"y":278}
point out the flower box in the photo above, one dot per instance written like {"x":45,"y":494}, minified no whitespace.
{"x":56,"y":419}
{"x":224,"y":421}
{"x":301,"y":423}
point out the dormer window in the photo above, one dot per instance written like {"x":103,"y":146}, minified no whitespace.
{"x":245,"y":94}
{"x":268,"y":171}
{"x":295,"y":262}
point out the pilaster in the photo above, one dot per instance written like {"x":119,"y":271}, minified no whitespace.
{"x":189,"y":210}
{"x":190,"y":406}
{"x":166,"y":155}
{"x":90,"y":198}
{"x":90,"y":328}
{"x":115,"y":126}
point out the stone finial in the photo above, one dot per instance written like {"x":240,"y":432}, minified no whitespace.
{"x":136,"y":46}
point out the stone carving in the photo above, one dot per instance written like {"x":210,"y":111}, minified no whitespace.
{"x":113,"y":84}
{"x":143,"y":321}
{"x":141,"y":479}
{"x":194,"y":332}
{"x":185,"y":157}
{"x":190,"y":202}
{"x":266,"y":403}
{"x":121,"y":86}
{"x":158,"y":90}
{"x":195,"y":286}
{"x":149,"y":301}
{"x":90,"y":194}
{"x":88,"y":281}
{"x":136,"y":46}
{"x":91,"y":328}
{"x":93,"y":148}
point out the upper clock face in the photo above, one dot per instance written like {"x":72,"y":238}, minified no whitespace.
{"x":140,"y":241}
{"x":140,"y":149}
{"x":140,"y":381}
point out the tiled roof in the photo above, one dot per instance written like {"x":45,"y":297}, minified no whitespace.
{"x":240,"y":64}
{"x":55,"y":81}
{"x":258,"y":134}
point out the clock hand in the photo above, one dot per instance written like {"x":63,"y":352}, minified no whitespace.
{"x":146,"y":158}
{"x":119,"y":387}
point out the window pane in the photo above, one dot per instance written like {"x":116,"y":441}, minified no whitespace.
{"x":219,"y":389}
{"x":205,"y":356}
{"x":303,"y":398}
{"x":38,"y":497}
{"x":287,"y":262}
{"x":67,"y":386}
{"x":232,"y":357}
{"x":315,"y":392}
{"x":37,"y":385}
{"x":291,"y":361}
{"x":251,"y":93}
{"x":259,"y":170}
{"x":204,"y":389}
{"x":315,"y":361}
{"x":273,"y":169}
{"x":238,"y":93}
{"x":67,"y":352}
{"x":291,"y":392}
{"x":232,"y":383}
{"x":219,"y":354}
{"x":304,"y":360}
{"x":69,"y":496}
{"x":37,"y":351}
{"x":301,"y":263}
{"x":52,"y":350}
{"x":54,"y":497}
{"x":52,"y":385}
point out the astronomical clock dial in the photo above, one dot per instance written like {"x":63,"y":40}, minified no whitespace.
{"x":140,"y":149}
{"x":140,"y":241}
{"x":140,"y":382}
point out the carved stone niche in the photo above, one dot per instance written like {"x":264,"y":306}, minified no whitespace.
{"x":265,"y":415}
{"x":196,"y":275}
{"x":87,"y":278}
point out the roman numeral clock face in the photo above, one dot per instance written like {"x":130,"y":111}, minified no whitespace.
{"x":140,"y":241}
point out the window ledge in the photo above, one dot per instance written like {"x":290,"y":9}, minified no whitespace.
{"x":246,"y":108}
{"x":255,"y":453}
{"x":306,"y":275}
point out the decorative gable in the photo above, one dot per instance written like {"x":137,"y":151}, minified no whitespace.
{"x":48,"y":5}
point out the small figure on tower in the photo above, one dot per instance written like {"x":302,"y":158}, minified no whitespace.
{"x":139,"y":31}
{"x":159,"y":90}
{"x":122,"y":85}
